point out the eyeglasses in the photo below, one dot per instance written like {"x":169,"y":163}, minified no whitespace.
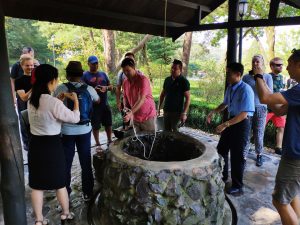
{"x":278,"y":65}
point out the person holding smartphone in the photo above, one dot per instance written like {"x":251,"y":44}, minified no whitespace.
{"x":101,"y":114}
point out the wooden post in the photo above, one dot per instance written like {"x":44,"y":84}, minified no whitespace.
{"x":232,"y":34}
{"x":11,"y":161}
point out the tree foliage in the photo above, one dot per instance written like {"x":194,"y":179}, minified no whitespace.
{"x":72,"y":42}
{"x":21,"y":33}
{"x":162,"y":50}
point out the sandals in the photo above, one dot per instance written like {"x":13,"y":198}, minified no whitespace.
{"x":66,"y":218}
{"x":41,"y":222}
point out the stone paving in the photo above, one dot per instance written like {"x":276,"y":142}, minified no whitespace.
{"x":253,"y":208}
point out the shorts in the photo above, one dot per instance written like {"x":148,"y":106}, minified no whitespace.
{"x":287,"y":182}
{"x":101,"y":115}
{"x":278,"y":121}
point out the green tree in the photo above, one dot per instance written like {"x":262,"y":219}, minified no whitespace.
{"x":162,"y":50}
{"x":21,"y":33}
{"x":73,"y":42}
{"x":257,"y":9}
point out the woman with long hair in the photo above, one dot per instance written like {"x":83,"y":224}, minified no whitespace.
{"x":46,"y":159}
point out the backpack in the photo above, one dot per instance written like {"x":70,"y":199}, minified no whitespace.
{"x":85,"y":102}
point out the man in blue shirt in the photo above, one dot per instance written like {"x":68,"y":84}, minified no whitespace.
{"x":239,"y":100}
{"x":101,"y":112}
{"x":287,"y":183}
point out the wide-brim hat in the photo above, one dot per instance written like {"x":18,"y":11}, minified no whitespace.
{"x":74,"y":67}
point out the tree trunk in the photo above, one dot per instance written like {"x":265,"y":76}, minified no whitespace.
{"x":187,"y":43}
{"x":92,"y":35}
{"x":109,"y":50}
{"x":146,"y":61}
{"x":261,"y":46}
{"x":270,"y":34}
{"x":136,"y":49}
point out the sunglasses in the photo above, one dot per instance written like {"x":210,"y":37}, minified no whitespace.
{"x":278,"y":65}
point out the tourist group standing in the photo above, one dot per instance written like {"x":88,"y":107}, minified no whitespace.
{"x":62,"y":117}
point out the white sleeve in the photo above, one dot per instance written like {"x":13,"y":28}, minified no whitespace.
{"x":62,"y":113}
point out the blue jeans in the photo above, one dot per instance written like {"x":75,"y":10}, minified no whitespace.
{"x":83,"y":145}
{"x":24,"y":130}
{"x":258,"y":123}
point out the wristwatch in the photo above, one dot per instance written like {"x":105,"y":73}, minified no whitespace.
{"x":227,"y":124}
{"x":258,"y":76}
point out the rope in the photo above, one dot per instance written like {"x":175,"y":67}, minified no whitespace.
{"x":136,"y":138}
{"x":164,"y":56}
{"x":165,"y":59}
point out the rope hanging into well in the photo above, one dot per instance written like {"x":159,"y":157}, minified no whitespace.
{"x":165,"y":59}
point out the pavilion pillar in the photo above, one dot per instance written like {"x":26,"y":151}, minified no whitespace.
{"x":11,"y":161}
{"x":232,"y":32}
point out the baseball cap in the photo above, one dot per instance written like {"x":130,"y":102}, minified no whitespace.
{"x":93,"y":59}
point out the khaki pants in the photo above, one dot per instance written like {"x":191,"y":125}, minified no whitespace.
{"x":147,"y":125}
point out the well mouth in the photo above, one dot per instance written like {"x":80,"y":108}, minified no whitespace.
{"x":168,"y":147}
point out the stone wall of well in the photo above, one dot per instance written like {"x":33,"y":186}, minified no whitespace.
{"x":140,"y":192}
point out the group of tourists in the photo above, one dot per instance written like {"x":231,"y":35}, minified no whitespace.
{"x":251,"y":101}
{"x":63,"y":116}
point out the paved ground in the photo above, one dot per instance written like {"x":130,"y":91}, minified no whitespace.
{"x":253,"y":208}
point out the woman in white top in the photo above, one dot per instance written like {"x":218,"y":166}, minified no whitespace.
{"x":46,"y":159}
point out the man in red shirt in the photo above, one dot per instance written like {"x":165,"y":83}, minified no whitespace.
{"x":138,"y":98}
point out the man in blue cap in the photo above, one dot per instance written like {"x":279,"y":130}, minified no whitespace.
{"x":101,"y":112}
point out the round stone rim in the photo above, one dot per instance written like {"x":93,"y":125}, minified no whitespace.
{"x":207,"y":158}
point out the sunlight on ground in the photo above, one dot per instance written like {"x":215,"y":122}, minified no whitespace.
{"x":265,"y":216}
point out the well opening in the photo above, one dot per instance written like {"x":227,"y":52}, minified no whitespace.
{"x":167,"y":147}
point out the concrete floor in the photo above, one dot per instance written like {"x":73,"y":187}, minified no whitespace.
{"x":253,"y":208}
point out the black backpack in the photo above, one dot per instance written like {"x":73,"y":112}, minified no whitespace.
{"x":85,"y":102}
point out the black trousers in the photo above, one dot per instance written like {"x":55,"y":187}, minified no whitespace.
{"x":234,"y":139}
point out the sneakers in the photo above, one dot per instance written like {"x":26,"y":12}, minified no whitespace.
{"x":235,"y":191}
{"x":86,"y":197}
{"x":259,"y":161}
{"x":278,"y":151}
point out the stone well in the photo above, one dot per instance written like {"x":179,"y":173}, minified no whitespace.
{"x":180,"y":183}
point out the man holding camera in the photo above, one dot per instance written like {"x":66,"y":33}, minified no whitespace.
{"x":101,"y":112}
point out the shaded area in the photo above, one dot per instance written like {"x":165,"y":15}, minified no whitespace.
{"x":167,"y":147}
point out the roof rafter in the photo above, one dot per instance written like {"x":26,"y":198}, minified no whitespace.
{"x":105,"y":13}
{"x":188,"y":4}
{"x":274,"y":5}
{"x":284,"y":21}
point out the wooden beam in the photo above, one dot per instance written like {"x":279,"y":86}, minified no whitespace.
{"x":12,"y":186}
{"x":274,"y":5}
{"x":232,"y":32}
{"x":99,"y":12}
{"x":294,"y":3}
{"x":284,"y":21}
{"x":188,"y":4}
